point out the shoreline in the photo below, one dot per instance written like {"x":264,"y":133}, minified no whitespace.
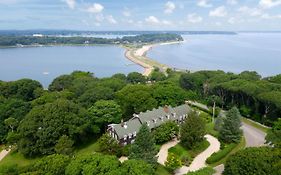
{"x":138,"y":56}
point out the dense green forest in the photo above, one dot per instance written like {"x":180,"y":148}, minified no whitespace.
{"x":52,"y":40}
{"x":77,"y":108}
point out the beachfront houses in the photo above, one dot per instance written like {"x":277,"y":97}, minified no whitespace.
{"x":126,"y":132}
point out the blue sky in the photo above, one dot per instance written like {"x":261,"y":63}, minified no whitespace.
{"x":141,"y":14}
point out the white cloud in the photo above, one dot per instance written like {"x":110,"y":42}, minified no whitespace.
{"x":231,"y":20}
{"x":218,"y":12}
{"x":204,"y":3}
{"x":99,"y":17}
{"x":269,"y":3}
{"x":111,"y":20}
{"x":126,"y":12}
{"x":95,"y":8}
{"x":250,"y":11}
{"x":218,"y":23}
{"x":232,"y":2}
{"x":71,"y":3}
{"x":267,"y":16}
{"x":169,"y":7}
{"x":166,"y":22}
{"x":194,"y":18}
{"x":152,"y":20}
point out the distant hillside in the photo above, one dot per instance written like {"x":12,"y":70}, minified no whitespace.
{"x":40,"y":39}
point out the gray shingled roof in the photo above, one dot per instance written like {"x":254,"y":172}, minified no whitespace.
{"x":155,"y":118}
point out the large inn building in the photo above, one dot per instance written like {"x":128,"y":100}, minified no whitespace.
{"x":126,"y":132}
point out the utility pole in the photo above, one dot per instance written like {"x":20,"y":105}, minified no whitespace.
{"x":214,"y":110}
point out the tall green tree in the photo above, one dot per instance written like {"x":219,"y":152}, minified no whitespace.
{"x":51,"y":165}
{"x":109,"y":145}
{"x":254,"y":161}
{"x":135,"y":99}
{"x":97,"y":164}
{"x":43,"y":126}
{"x":274,"y":134}
{"x":135,"y":77}
{"x":166,"y":132}
{"x":192,"y":130}
{"x":136,"y":167}
{"x":144,"y":147}
{"x":230,"y":130}
{"x":104,"y":112}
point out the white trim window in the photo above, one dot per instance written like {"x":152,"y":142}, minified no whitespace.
{"x":125,"y":137}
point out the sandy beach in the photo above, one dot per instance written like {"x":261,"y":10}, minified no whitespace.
{"x":139,"y":55}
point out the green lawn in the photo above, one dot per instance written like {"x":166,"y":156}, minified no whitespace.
{"x":161,"y":170}
{"x":17,"y":158}
{"x":210,"y":129}
{"x":183,"y":153}
{"x":254,"y":124}
{"x":87,"y":148}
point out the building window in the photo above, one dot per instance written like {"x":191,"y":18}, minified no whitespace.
{"x":130,"y":136}
{"x":133,"y":141}
{"x":135,"y":134}
{"x":125,"y":137}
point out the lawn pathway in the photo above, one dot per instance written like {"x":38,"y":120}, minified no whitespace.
{"x":163,"y":153}
{"x":3,"y":153}
{"x":200,"y":160}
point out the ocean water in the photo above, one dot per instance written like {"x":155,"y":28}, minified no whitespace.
{"x":259,"y":52}
{"x":46,"y":63}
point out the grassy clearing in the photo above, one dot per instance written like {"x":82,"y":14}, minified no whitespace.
{"x":161,"y":170}
{"x":203,"y":171}
{"x":255,"y":124}
{"x":87,"y":148}
{"x":240,"y":146}
{"x":187,"y":155}
{"x":17,"y":158}
{"x":210,"y":129}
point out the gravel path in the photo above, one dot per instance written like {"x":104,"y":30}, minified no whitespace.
{"x":3,"y":153}
{"x":199,"y":161}
{"x":163,"y":153}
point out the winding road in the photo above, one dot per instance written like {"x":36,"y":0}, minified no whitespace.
{"x":254,"y":138}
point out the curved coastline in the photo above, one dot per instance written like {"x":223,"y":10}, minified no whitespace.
{"x":138,"y":56}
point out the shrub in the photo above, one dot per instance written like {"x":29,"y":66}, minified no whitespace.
{"x":215,"y":157}
{"x":253,"y":161}
{"x":166,"y":132}
{"x":173,"y":162}
{"x":203,"y":171}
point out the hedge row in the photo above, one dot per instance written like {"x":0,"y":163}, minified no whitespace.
{"x":215,"y":157}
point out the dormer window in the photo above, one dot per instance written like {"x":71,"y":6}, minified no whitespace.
{"x":168,"y":117}
{"x":135,"y":134}
{"x":125,"y":137}
{"x":154,"y":120}
{"x":162,"y":118}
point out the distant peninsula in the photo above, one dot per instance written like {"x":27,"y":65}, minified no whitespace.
{"x":43,"y":40}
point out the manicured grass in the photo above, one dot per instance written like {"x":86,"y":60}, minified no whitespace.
{"x":87,"y":148}
{"x":210,"y":129}
{"x":254,"y":124}
{"x":240,"y":146}
{"x":203,"y":171}
{"x":17,"y":158}
{"x":183,"y":153}
{"x":161,"y":170}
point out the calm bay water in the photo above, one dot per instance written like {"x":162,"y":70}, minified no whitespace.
{"x":46,"y":63}
{"x":246,"y":51}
